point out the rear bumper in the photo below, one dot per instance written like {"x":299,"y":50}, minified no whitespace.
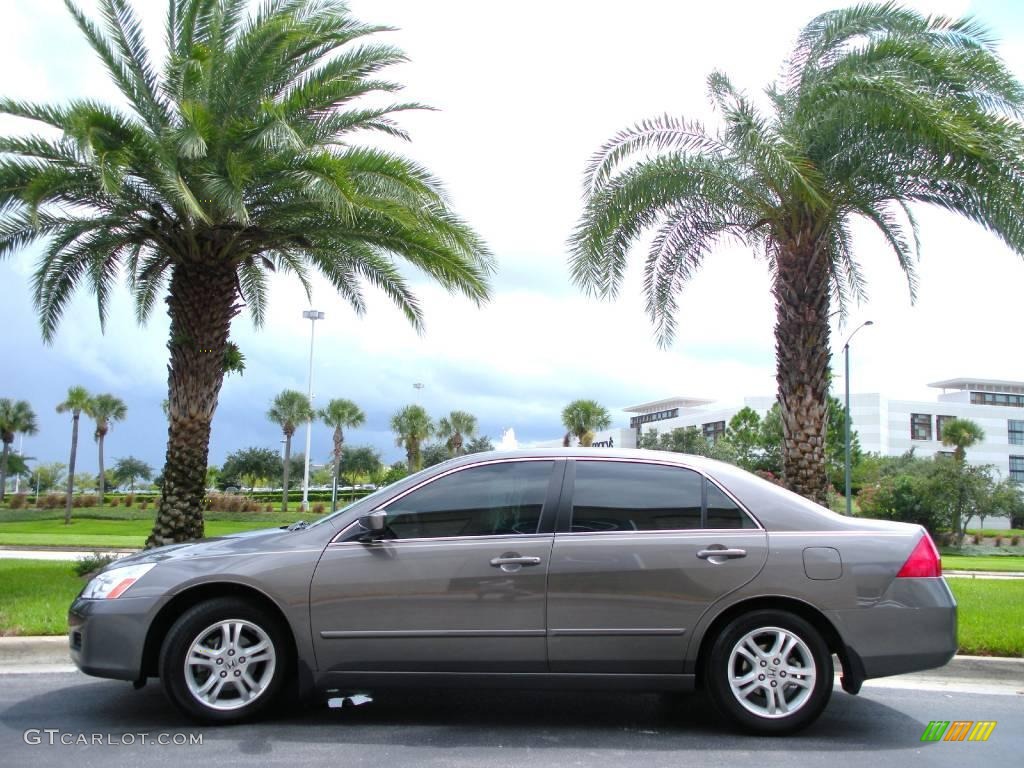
{"x":107,"y":637}
{"x":911,"y":628}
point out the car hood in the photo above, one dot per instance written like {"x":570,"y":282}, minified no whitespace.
{"x":261,"y":539}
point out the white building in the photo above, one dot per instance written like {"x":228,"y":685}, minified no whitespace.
{"x":885,"y":425}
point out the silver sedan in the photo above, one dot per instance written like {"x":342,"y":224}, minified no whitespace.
{"x":586,"y":568}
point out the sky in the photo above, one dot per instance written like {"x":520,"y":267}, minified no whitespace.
{"x":524,"y":93}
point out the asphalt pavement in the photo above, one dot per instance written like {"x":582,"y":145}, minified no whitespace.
{"x":880,"y":728}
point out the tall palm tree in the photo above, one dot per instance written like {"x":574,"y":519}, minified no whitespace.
{"x":582,"y":418}
{"x":16,"y":416}
{"x":961,"y":434}
{"x":412,"y":425}
{"x":454,"y":428}
{"x":78,"y":400}
{"x":289,"y":409}
{"x":341,"y":414}
{"x":104,"y":410}
{"x":878,"y":108}
{"x":233,"y":160}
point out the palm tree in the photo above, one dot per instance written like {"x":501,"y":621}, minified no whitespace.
{"x":582,"y":418}
{"x":878,"y":108}
{"x":232,"y":161}
{"x":960,"y":434}
{"x":341,"y":414}
{"x":104,"y":410}
{"x":454,"y":428}
{"x":289,"y":409}
{"x":412,"y":426}
{"x":78,"y":400}
{"x":15,"y":417}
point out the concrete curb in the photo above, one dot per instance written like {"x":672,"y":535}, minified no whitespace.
{"x":20,"y":651}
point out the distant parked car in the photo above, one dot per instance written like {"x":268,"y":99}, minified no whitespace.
{"x":569,"y":568}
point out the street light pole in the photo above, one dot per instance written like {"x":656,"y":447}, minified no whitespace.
{"x":846,"y":353}
{"x":312,"y":315}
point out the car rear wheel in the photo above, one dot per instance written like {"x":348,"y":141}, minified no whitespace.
{"x":769,"y":672}
{"x":224,"y":660}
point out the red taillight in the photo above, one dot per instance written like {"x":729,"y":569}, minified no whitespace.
{"x":924,"y":561}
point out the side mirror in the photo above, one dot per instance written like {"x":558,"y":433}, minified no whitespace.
{"x":375,"y":522}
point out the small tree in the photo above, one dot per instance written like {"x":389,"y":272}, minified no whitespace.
{"x":15,"y":417}
{"x":479,"y":445}
{"x":585,"y":416}
{"x":78,"y":400}
{"x":961,"y":434}
{"x":454,"y":429}
{"x":104,"y":410}
{"x":289,"y":409}
{"x":249,"y":463}
{"x":412,"y":425}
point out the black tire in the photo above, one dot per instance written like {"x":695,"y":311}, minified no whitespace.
{"x":806,"y":707}
{"x":187,"y":629}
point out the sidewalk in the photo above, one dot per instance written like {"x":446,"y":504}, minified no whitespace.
{"x":59,"y":553}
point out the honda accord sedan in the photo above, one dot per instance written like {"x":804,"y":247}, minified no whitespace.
{"x":585,"y":568}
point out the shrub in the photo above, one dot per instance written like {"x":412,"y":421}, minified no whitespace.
{"x":318,"y":508}
{"x":976,"y":538}
{"x":116,"y":501}
{"x":268,"y":508}
{"x":88,"y":565}
{"x":144,"y":505}
{"x":129,"y":499}
{"x":51,"y":501}
{"x":999,"y":541}
{"x":1015,"y":541}
{"x":18,"y":501}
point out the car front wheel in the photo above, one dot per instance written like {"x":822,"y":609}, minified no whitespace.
{"x":770,"y":672}
{"x":224,"y":661}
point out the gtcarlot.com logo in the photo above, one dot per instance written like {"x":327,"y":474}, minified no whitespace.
{"x":958,"y":730}
{"x":55,"y":737}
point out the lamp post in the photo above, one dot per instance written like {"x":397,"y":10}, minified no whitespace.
{"x":846,"y":353}
{"x":418,"y":386}
{"x":312,"y":315}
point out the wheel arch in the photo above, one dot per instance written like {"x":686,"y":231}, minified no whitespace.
{"x":199,"y":593}
{"x":852,"y":666}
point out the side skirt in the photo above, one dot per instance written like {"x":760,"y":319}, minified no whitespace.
{"x":540,"y":681}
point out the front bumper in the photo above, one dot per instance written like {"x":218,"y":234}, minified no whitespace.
{"x":107,"y":637}
{"x":912,"y":628}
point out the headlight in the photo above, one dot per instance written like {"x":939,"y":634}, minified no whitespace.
{"x":115,"y":582}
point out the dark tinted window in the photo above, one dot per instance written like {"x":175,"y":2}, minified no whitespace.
{"x":621,"y":496}
{"x":491,"y":500}
{"x":723,"y":512}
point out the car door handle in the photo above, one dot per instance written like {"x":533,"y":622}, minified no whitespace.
{"x":497,"y":562}
{"x":704,"y":554}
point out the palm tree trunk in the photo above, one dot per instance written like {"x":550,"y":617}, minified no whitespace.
{"x":201,"y":304}
{"x":339,"y":441}
{"x":71,"y":468}
{"x":287,"y":468}
{"x":802,"y":357}
{"x":103,"y":479}
{"x":3,"y":470}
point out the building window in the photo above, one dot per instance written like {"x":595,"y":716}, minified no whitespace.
{"x":1017,"y":469}
{"x":940,"y":421}
{"x":714,"y":430}
{"x":920,"y":426}
{"x":997,"y":398}
{"x":1016,"y":430}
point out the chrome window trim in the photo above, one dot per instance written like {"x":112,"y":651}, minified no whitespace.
{"x":428,"y":539}
{"x":680,"y":465}
{"x":446,"y":473}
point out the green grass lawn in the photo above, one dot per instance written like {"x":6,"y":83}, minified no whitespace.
{"x":35,"y":595}
{"x":991,"y":616}
{"x":981,"y":563}
{"x":86,"y":532}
